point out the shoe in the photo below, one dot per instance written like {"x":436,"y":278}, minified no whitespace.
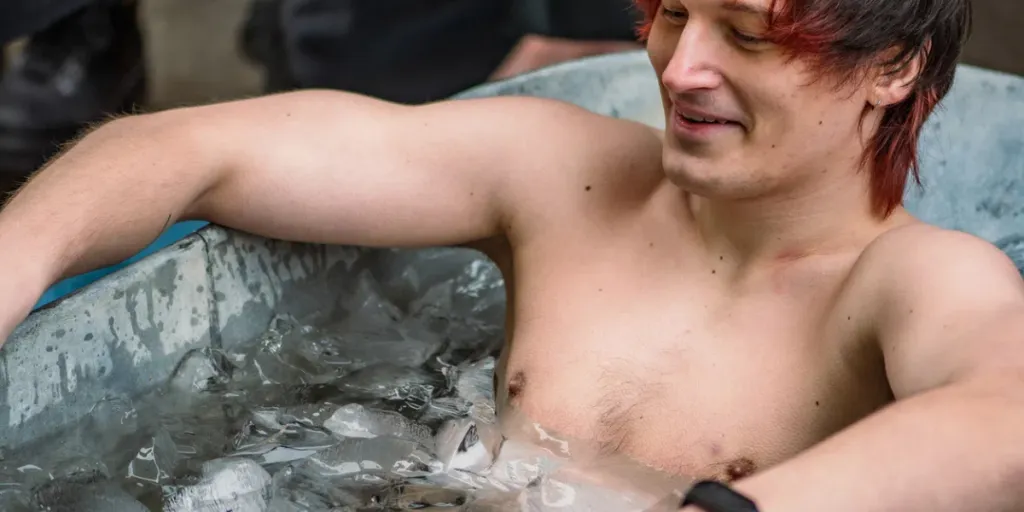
{"x":77,"y":72}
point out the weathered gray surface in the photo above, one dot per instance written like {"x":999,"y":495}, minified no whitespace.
{"x":127,"y":332}
{"x":972,"y":158}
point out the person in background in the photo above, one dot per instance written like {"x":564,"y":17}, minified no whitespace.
{"x":82,"y":62}
{"x":417,"y":52}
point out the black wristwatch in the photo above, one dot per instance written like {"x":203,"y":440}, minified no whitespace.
{"x":713,"y":496}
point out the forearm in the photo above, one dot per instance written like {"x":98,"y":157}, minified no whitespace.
{"x":103,"y":200}
{"x":952,"y":449}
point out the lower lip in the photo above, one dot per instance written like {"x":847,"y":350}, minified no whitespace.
{"x":699,"y":131}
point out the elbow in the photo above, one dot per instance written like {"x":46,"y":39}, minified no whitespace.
{"x":178,"y":134}
{"x":169,"y":127}
{"x":170,"y":150}
{"x":128,"y":127}
{"x":145,"y":138}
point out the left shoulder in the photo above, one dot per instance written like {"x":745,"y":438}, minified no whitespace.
{"x":921,"y":257}
{"x":940,"y":301}
{"x":926,"y":246}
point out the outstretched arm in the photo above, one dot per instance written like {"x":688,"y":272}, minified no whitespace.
{"x":317,"y":166}
{"x":950,"y":316}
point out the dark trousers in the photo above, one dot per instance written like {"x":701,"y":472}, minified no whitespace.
{"x":409,"y":51}
{"x":414,"y":51}
{"x":20,"y":18}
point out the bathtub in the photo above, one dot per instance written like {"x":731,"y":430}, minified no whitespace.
{"x":126,"y":331}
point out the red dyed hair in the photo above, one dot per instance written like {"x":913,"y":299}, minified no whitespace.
{"x":842,"y":37}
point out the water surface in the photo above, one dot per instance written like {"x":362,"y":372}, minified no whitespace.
{"x":387,"y":405}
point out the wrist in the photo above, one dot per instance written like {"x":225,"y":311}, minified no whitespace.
{"x":713,"y":496}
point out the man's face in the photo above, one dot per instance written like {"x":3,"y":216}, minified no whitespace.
{"x":743,"y":121}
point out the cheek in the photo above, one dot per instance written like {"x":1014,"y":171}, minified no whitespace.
{"x":794,"y":116}
{"x":828,"y":124}
{"x":785,"y":101}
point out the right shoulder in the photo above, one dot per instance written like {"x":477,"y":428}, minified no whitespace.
{"x":573,"y":162}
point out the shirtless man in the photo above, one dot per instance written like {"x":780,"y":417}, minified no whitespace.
{"x":742,"y":299}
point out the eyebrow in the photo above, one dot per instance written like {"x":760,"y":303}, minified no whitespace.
{"x":740,"y":6}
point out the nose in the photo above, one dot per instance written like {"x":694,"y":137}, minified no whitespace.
{"x":692,"y":66}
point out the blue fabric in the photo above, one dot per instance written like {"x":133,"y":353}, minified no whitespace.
{"x":71,"y":284}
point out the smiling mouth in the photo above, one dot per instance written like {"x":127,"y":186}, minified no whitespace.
{"x":704,"y":120}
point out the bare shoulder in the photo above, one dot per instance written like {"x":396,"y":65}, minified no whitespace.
{"x":579,"y":163}
{"x":940,"y":304}
{"x":926,"y":268}
{"x":922,"y":256}
{"x":580,"y":140}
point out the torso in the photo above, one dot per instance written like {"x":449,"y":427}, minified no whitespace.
{"x":626,"y":332}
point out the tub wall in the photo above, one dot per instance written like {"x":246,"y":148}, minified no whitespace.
{"x":127,"y":332}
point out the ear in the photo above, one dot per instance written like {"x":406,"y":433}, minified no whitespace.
{"x":893,"y":84}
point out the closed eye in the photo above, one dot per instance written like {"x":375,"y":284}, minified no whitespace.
{"x":671,"y":15}
{"x":747,"y":38}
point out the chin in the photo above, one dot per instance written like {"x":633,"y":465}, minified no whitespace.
{"x":691,"y":173}
{"x":706,"y":177}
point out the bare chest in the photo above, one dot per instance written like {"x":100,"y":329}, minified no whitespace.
{"x":669,"y":371}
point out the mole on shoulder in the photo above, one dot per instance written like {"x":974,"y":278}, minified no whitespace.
{"x":516,"y":384}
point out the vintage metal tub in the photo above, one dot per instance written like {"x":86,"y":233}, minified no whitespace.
{"x":125,"y":333}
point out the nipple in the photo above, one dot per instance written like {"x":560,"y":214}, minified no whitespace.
{"x":516,"y":385}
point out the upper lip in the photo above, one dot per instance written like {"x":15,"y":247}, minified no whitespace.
{"x":694,"y":112}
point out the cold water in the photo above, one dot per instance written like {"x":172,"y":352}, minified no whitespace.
{"x":386,"y":405}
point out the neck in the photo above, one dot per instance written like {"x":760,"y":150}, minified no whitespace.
{"x":829,"y":215}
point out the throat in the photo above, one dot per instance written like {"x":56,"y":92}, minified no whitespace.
{"x":737,"y":236}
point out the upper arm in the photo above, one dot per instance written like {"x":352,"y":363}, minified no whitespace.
{"x":335,"y":167}
{"x":948,"y":306}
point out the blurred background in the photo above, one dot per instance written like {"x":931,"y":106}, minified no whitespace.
{"x":69,"y":63}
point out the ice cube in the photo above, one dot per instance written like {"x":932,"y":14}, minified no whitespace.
{"x":226,"y":484}
{"x":154,"y":463}
{"x":83,"y":486}
{"x":414,"y":386}
{"x":354,"y":420}
{"x":98,"y":497}
{"x":201,"y":370}
{"x":475,"y":381}
{"x":459,"y":446}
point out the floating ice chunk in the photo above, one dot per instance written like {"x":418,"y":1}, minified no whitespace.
{"x":226,"y":484}
{"x":459,"y":445}
{"x":154,"y":462}
{"x":354,"y":420}
{"x":201,"y":370}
